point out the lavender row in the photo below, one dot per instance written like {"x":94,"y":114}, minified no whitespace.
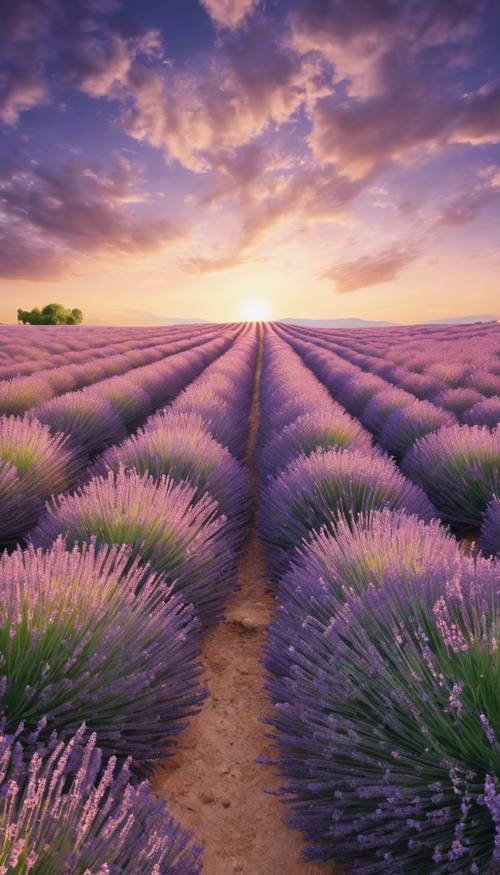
{"x":99,"y":347}
{"x":109,"y":631}
{"x":49,"y":453}
{"x":174,"y":492}
{"x":328,"y":467}
{"x":458,"y":466}
{"x":382,"y":656}
{"x":48,"y":343}
{"x":463,"y":383}
{"x":21,"y":394}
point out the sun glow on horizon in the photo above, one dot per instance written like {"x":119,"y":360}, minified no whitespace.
{"x":255,"y":310}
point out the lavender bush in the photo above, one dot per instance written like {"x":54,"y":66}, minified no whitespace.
{"x":485,"y":412}
{"x":324,"y":429}
{"x":65,"y":811}
{"x":89,"y":421}
{"x":489,"y":540}
{"x":389,"y":733}
{"x":159,"y":521}
{"x":44,"y":463}
{"x":187,"y":454}
{"x":84,"y":636}
{"x":382,"y":405}
{"x":21,"y":393}
{"x":129,"y":400}
{"x":459,"y":469}
{"x":318,"y":490}
{"x":408,"y":424}
{"x":458,"y":401}
{"x":41,"y":463}
{"x":18,"y":512}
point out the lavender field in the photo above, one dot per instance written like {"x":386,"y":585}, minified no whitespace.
{"x":249,"y":557}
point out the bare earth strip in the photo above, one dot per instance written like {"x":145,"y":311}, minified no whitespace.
{"x":214,"y":784}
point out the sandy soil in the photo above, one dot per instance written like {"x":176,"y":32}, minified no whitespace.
{"x":214,"y":784}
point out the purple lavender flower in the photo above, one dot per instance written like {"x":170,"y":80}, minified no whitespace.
{"x":424,"y":386}
{"x":159,"y":521}
{"x":357,"y":392}
{"x":316,"y":491}
{"x":489,"y":540}
{"x":485,"y":412}
{"x":388,"y":733}
{"x":129,"y":400}
{"x":408,"y":424}
{"x":20,"y":394}
{"x":323,"y":429}
{"x":485,"y":382}
{"x":87,"y":636}
{"x":382,"y":405}
{"x":18,"y":512}
{"x":459,"y":469}
{"x":458,"y":401}
{"x":331,"y":568}
{"x":187,"y":454}
{"x":43,"y":463}
{"x":453,"y":374}
{"x":89,"y":421}
{"x":66,"y":810}
{"x":218,"y":418}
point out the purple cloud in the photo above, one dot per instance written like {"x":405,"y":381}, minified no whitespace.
{"x":229,"y":13}
{"x":75,"y":209}
{"x":468,"y":205}
{"x":370,"y":270}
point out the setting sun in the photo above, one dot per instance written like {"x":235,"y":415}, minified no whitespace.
{"x":255,"y":310}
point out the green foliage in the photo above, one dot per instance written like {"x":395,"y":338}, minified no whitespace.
{"x":51,"y":314}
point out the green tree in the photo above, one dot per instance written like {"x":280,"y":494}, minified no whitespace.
{"x":51,"y":314}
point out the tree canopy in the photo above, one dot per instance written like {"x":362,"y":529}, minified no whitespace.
{"x":51,"y":314}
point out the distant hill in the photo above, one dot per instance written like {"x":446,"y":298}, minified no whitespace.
{"x":464,"y":320}
{"x":367,"y":323}
{"x":140,"y":318}
{"x":338,"y":323}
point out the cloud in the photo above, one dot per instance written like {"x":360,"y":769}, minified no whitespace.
{"x":194,"y":117}
{"x":25,"y":258}
{"x":49,"y":43}
{"x":71,"y":210}
{"x":22,"y":50}
{"x":470,"y":203}
{"x":396,"y":66}
{"x":363,"y":41}
{"x":229,"y":13}
{"x":214,"y":263}
{"x":305,"y":194}
{"x":370,"y":270}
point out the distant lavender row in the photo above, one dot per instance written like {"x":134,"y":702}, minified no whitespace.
{"x":99,"y":347}
{"x":48,"y":451}
{"x":453,"y":355}
{"x":323,"y":463}
{"x":383,"y":654}
{"x":462,"y":381}
{"x":46,"y":343}
{"x":21,"y":394}
{"x":457,"y":465}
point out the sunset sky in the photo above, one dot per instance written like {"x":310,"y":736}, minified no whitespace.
{"x":231,"y":159}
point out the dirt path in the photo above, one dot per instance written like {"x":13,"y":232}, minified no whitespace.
{"x":214,"y":784}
